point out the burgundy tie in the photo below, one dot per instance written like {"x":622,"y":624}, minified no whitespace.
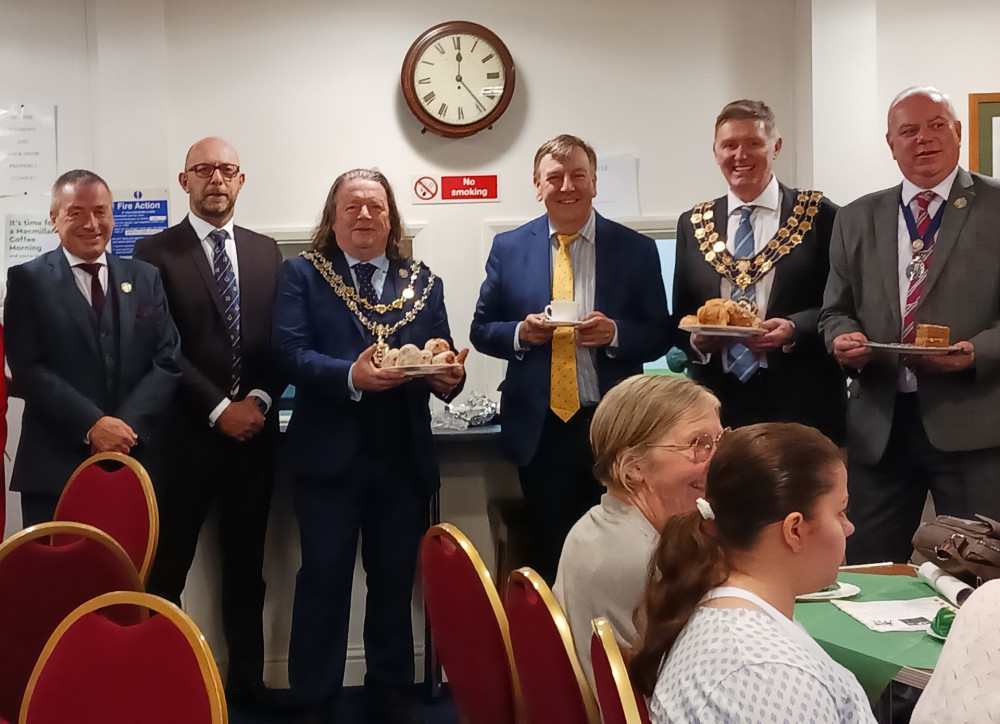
{"x":96,"y":290}
{"x":920,"y":264}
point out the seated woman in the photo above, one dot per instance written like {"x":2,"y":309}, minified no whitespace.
{"x":720,"y":644}
{"x":963,"y":687}
{"x":652,"y":437}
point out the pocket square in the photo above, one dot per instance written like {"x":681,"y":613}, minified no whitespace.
{"x":150,"y":311}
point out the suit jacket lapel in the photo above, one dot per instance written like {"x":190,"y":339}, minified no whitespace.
{"x":336,"y":257}
{"x":196,"y":253}
{"x":951,"y":225}
{"x":886,"y":219}
{"x":788,"y":199}
{"x":120,"y":278}
{"x":74,"y":303}
{"x":538,"y":266}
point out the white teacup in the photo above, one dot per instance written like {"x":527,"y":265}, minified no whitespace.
{"x":563,"y":310}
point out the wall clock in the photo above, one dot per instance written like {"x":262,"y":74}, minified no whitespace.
{"x":457,"y":79}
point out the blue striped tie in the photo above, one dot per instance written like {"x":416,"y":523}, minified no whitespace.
{"x":742,"y":362}
{"x":225,"y":280}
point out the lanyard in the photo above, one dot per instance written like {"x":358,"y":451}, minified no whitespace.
{"x":911,"y":226}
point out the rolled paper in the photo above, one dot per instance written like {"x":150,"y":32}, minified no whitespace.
{"x":950,"y":588}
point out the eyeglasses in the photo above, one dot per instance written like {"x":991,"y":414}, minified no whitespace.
{"x":207,"y":170}
{"x":703,"y":445}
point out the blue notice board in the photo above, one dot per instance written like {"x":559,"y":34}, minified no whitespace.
{"x":140,"y":214}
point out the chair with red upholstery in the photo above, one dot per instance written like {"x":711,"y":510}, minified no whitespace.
{"x":553,"y":685}
{"x":97,"y":668}
{"x":46,"y":571}
{"x":620,"y":703}
{"x":468,"y":627}
{"x":113,"y":492}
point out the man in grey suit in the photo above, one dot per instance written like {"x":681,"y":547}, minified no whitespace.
{"x":925,"y":251}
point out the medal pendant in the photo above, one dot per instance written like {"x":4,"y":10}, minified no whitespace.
{"x":917,"y":245}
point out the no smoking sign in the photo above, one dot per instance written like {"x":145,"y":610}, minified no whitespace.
{"x":465,"y":188}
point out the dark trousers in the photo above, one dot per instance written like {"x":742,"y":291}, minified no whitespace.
{"x":37,"y":508}
{"x":559,"y":487}
{"x":206,"y":468}
{"x":887,"y":499}
{"x":379,"y":498}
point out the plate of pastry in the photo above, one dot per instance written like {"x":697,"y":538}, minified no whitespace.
{"x":931,"y":339}
{"x":436,"y":357}
{"x":723,"y":318}
{"x":832,"y":592}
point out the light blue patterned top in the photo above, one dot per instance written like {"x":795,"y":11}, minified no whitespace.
{"x":738,"y":665}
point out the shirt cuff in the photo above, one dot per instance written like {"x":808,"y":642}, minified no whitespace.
{"x":698,"y":357}
{"x":213,"y":416}
{"x":517,"y":338}
{"x":611,"y":350}
{"x":354,"y":394}
{"x":263,"y":397}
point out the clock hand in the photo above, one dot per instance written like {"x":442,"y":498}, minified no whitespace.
{"x":479,"y":105}
{"x":458,"y":57}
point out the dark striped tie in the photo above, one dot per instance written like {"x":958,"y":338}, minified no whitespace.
{"x":225,"y":280}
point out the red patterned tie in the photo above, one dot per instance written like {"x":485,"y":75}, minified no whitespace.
{"x":920,"y":262}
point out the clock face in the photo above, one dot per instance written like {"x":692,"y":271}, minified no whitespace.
{"x":459,"y":79}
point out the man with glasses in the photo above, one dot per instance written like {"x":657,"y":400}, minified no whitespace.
{"x":220,"y":281}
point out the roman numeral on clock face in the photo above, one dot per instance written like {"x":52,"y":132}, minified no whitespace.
{"x":493,"y":76}
{"x":430,"y":97}
{"x":457,"y":42}
{"x":487,"y":59}
{"x":443,"y":109}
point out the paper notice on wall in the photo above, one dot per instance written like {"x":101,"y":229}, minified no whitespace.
{"x":27,"y":236}
{"x":618,"y":186}
{"x":138,"y":213}
{"x":27,"y":149}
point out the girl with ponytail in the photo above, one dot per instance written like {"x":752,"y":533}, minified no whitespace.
{"x":719,"y":641}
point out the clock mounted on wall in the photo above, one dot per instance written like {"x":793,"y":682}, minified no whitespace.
{"x":457,"y":78}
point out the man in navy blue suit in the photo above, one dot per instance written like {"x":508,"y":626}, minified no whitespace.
{"x":91,"y":347}
{"x":362,"y":455}
{"x":613,"y":275}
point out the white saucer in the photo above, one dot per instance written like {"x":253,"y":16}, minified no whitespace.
{"x":843,"y":590}
{"x":561,"y":322}
{"x":424,"y":370}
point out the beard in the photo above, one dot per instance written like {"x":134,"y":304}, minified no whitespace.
{"x":215,"y":206}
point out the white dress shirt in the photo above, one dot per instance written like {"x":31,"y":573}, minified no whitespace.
{"x":381,"y":264}
{"x":907,"y":380}
{"x":583,"y":257}
{"x":765,"y":220}
{"x":203,"y":228}
{"x":82,"y":277}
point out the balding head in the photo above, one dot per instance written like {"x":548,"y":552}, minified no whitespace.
{"x":212,"y":179}
{"x":924,"y":136}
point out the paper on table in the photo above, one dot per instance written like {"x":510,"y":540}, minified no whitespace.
{"x":882,"y":616}
{"x":950,"y":587}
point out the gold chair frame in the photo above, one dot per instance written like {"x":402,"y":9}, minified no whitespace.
{"x":619,"y":671}
{"x":146,"y":483}
{"x":459,"y":539}
{"x":183,"y":622}
{"x":529,"y":577}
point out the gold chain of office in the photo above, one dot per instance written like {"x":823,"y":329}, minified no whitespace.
{"x":748,"y":270}
{"x":354,"y":302}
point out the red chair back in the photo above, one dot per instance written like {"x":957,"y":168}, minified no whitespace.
{"x":620,"y":703}
{"x":95,"y":669}
{"x":553,"y":685}
{"x":113,"y":492}
{"x":40,"y":584}
{"x":468,"y":627}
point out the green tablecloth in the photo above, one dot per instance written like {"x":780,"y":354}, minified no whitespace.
{"x":875,"y":658}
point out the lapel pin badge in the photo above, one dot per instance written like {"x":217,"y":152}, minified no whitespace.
{"x":403,"y":274}
{"x":960,"y":203}
{"x":126,"y":287}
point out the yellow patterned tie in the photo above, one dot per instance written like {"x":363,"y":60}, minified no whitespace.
{"x":564,"y":395}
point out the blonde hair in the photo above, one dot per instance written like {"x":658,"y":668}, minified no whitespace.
{"x":635,"y":413}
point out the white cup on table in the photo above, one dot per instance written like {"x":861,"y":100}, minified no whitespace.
{"x":563,"y":310}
